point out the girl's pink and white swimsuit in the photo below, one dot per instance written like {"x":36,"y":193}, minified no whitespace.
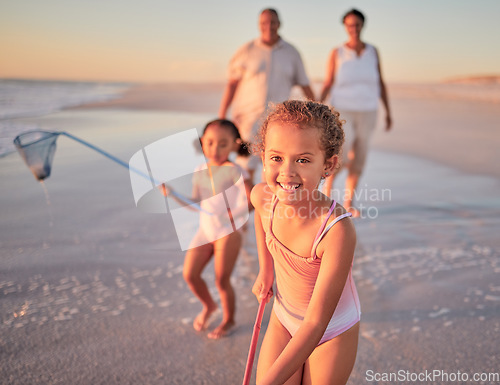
{"x":295,"y":280}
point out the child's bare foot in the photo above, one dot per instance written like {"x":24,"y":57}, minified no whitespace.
{"x":222,"y":330}
{"x":201,"y":320}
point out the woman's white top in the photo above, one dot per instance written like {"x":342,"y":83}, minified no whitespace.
{"x":356,"y":84}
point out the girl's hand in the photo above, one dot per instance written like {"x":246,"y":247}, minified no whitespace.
{"x":263,"y":287}
{"x":165,"y":190}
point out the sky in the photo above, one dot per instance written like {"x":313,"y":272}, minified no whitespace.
{"x":192,"y":41}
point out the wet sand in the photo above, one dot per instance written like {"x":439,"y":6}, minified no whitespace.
{"x":91,"y":288}
{"x":459,"y":133}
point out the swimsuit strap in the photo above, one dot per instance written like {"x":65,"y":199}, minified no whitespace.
{"x":274,"y":202}
{"x":322,"y":230}
{"x":323,"y":233}
{"x":330,"y":211}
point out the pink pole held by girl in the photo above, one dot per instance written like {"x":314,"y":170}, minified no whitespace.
{"x":253,"y":342}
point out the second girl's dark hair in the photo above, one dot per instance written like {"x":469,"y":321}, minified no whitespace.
{"x":243,"y":150}
{"x":354,"y":12}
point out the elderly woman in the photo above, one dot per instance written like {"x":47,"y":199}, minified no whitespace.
{"x":353,"y":70}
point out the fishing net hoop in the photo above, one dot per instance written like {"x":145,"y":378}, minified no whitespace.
{"x":37,"y":148}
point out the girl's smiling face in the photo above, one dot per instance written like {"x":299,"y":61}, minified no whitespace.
{"x":294,"y":161}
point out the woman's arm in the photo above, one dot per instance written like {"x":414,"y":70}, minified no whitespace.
{"x":383,"y":96}
{"x":262,"y":288}
{"x":336,"y":251}
{"x":330,"y":76}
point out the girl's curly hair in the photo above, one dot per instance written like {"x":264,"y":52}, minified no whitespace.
{"x":306,"y":114}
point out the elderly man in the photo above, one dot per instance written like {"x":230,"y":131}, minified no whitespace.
{"x":263,"y":70}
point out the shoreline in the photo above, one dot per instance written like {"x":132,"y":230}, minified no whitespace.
{"x":165,"y":97}
{"x":467,"y":139}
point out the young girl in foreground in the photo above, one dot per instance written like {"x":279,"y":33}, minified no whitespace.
{"x":215,"y":237}
{"x":308,"y":241}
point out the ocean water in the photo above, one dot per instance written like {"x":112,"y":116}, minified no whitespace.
{"x":31,"y":98}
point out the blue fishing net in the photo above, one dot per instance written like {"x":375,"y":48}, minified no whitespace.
{"x":37,"y":148}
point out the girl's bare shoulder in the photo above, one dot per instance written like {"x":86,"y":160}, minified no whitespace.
{"x":342,"y":232}
{"x":260,"y":196}
{"x":344,"y":223}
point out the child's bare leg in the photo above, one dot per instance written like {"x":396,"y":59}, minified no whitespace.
{"x":351,"y":184}
{"x":332,"y":361}
{"x":275,"y":340}
{"x":195,"y":261}
{"x":226,"y":252}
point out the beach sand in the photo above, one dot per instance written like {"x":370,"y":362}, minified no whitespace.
{"x":91,"y":288}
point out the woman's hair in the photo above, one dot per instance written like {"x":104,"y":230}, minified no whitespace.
{"x":305,"y":114}
{"x":354,"y":12}
{"x":243,"y":150}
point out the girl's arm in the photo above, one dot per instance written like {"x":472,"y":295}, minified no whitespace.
{"x":248,"y":190}
{"x":336,"y":251}
{"x":166,"y":190}
{"x":262,"y":288}
{"x":330,"y":76}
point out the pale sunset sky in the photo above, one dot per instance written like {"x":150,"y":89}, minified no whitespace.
{"x":165,"y":40}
